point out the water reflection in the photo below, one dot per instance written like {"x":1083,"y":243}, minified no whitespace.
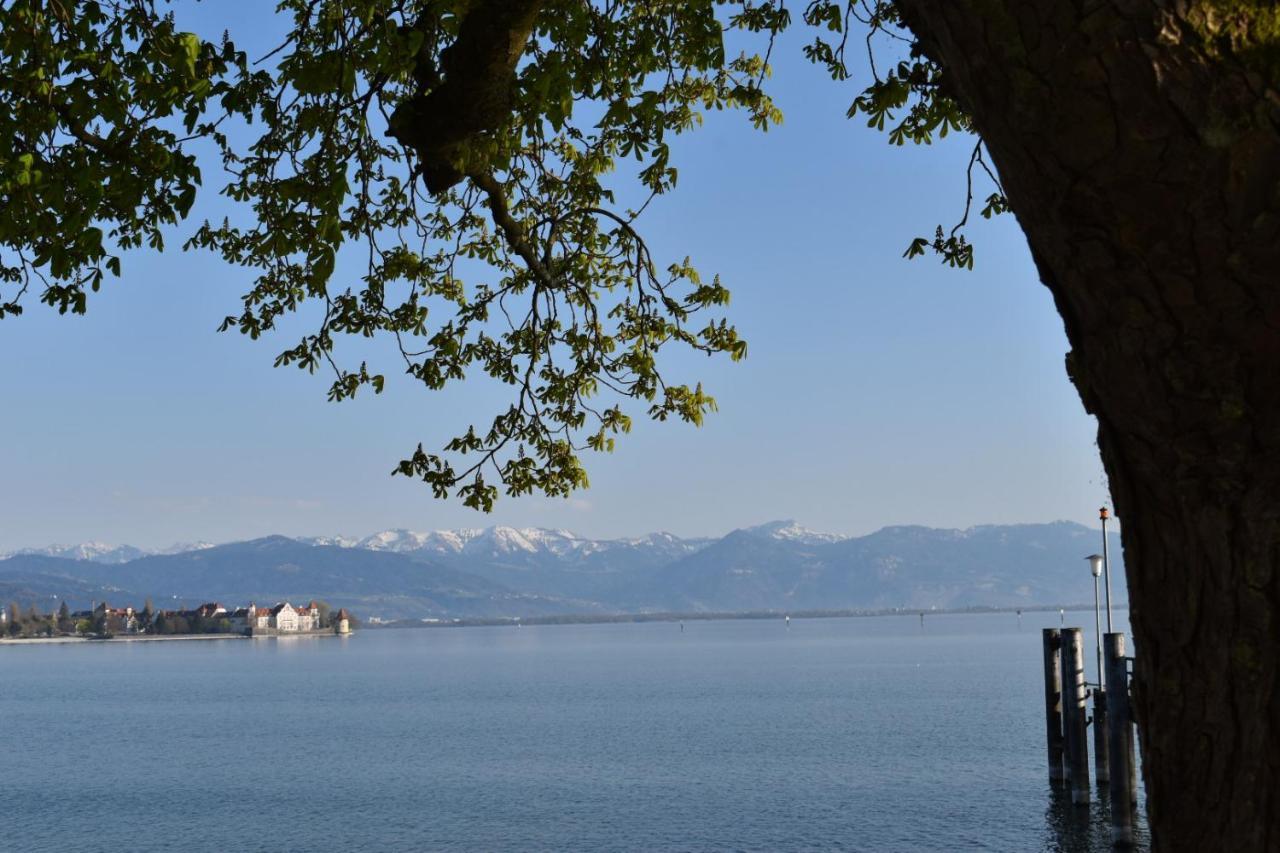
{"x":1070,"y":828}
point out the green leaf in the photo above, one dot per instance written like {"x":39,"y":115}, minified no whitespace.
{"x":189,"y":43}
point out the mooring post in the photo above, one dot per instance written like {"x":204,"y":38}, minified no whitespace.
{"x":1074,"y":709}
{"x":1068,"y":731}
{"x":1124,"y":780}
{"x":1053,"y":701}
{"x":1101,"y":753}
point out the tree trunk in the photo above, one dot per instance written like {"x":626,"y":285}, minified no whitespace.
{"x":1139,"y":147}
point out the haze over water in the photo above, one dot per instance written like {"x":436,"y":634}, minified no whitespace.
{"x":864,"y":734}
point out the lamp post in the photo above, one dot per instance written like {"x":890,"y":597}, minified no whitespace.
{"x":1106,"y":565}
{"x":1096,"y":562}
{"x":1101,"y":746}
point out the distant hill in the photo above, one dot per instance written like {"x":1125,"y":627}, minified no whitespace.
{"x":277,"y":568}
{"x":45,"y":581}
{"x":913,"y":567}
{"x":503,"y":571}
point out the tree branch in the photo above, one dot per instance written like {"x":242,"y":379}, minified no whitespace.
{"x":510,"y":228}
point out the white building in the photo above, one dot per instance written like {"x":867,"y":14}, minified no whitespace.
{"x":283,"y":617}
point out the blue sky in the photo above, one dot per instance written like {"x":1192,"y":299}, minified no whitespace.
{"x":876,"y":390}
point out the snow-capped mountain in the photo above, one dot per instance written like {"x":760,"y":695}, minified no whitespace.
{"x":549,"y":561}
{"x":98,"y":552}
{"x":497,"y":540}
{"x":101,"y":552}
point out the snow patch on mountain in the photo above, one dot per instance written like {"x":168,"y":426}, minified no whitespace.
{"x":184,"y":547}
{"x":788,"y":530}
{"x":398,"y":541}
{"x":328,"y":541}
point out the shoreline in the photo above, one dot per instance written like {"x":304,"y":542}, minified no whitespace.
{"x":133,"y":638}
{"x":155,"y":638}
{"x":566,"y":619}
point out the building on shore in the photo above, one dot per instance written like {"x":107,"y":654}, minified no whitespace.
{"x":282,"y":618}
{"x":102,"y":620}
{"x":123,"y":620}
{"x":212,"y":610}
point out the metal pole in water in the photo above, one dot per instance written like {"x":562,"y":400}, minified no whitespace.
{"x":1095,"y":565}
{"x":1052,"y":638}
{"x":1106,"y":565}
{"x":1074,"y":723}
{"x":1123,"y":786}
{"x":1100,"y":752}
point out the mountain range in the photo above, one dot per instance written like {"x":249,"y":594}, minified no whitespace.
{"x":505,"y":571}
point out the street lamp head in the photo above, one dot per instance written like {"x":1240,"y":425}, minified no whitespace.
{"x":1095,"y":564}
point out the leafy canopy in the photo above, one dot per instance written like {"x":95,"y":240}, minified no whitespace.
{"x":433,"y":137}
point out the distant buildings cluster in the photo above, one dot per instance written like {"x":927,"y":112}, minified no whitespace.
{"x":280,"y":618}
{"x":210,"y":618}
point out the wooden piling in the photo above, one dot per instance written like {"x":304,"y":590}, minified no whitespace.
{"x":1068,"y":731}
{"x":1052,"y":638}
{"x":1101,"y":753}
{"x":1123,"y":786}
{"x":1074,"y":709}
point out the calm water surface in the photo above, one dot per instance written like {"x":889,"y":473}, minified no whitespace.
{"x":863,"y":734}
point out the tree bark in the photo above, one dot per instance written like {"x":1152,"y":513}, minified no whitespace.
{"x":470,"y":95}
{"x":1139,"y":147}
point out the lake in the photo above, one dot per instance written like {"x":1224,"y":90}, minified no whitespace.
{"x":861,"y":734}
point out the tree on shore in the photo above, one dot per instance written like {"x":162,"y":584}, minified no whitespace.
{"x":64,"y":623}
{"x":1137,"y":144}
